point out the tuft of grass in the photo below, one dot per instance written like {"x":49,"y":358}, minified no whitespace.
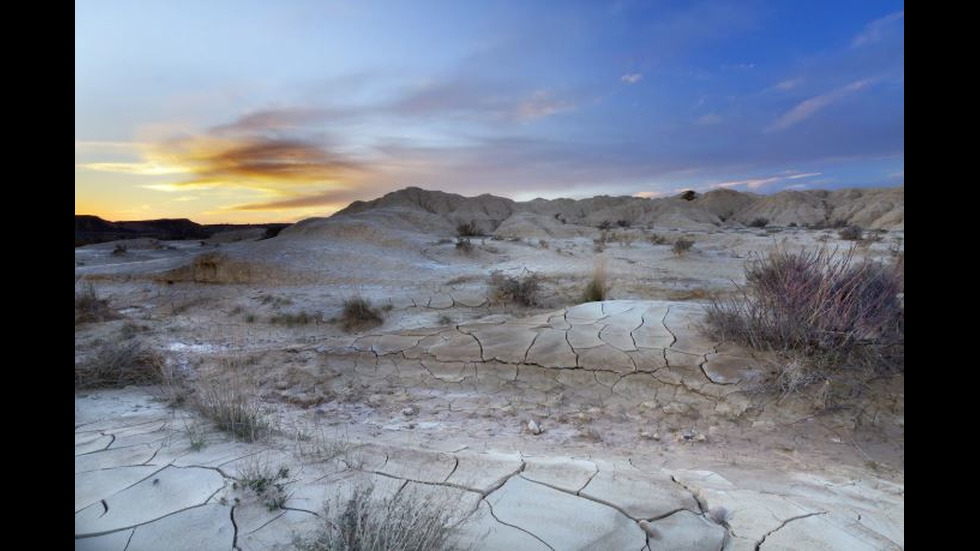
{"x":682,"y":246}
{"x":269,"y":485}
{"x":522,"y":289}
{"x":468,"y":229}
{"x":403,"y":522}
{"x":604,"y":225}
{"x":823,"y":306}
{"x":120,"y":250}
{"x":759,"y":222}
{"x":116,"y":364}
{"x":851,"y":233}
{"x":359,"y":314}
{"x":598,"y":287}
{"x":231,"y":407}
{"x":89,"y":307}
{"x":445,"y":320}
{"x":657,"y":239}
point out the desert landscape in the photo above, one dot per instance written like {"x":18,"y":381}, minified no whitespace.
{"x":225,"y":390}
{"x":489,"y":275}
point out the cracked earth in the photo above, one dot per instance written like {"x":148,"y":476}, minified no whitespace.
{"x":650,"y":436}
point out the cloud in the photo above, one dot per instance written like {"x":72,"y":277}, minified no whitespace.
{"x":757,"y":183}
{"x":334,"y":200}
{"x":651,"y":194}
{"x":807,"y":108}
{"x":788,"y":84}
{"x":541,"y":103}
{"x":878,"y":29}
{"x":631,"y":78}
{"x":708,"y":120}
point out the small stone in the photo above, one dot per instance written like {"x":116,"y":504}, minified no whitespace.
{"x":534,"y":428}
{"x":656,"y":436}
{"x":700,"y":438}
{"x":410,"y":411}
{"x":649,"y":529}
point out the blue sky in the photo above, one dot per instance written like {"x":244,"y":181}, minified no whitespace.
{"x":252,"y":111}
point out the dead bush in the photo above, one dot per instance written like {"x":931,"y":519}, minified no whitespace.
{"x":759,"y":222}
{"x":116,"y":364}
{"x":682,"y":246}
{"x":522,"y":289}
{"x":359,"y":315}
{"x":464,"y":246}
{"x":822,"y":304}
{"x":228,"y":403}
{"x":468,"y":229}
{"x":403,"y":522}
{"x":89,"y":307}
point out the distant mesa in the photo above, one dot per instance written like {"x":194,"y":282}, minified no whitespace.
{"x":92,"y":229}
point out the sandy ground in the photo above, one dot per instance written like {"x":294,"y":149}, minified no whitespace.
{"x":629,"y":388}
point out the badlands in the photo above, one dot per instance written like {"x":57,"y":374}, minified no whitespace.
{"x":560,"y":424}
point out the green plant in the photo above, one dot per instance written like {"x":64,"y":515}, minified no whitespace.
{"x":403,"y":522}
{"x":358,"y":314}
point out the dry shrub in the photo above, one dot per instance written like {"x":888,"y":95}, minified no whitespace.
{"x":117,"y":364}
{"x":522,"y":289}
{"x":598,"y":288}
{"x":359,"y":315}
{"x":682,"y":245}
{"x":293,"y":319}
{"x":468,"y":229}
{"x":851,"y":233}
{"x":228,"y":402}
{"x":403,"y":522}
{"x":759,"y":222}
{"x":835,"y":311}
{"x":89,"y":307}
{"x":657,"y":239}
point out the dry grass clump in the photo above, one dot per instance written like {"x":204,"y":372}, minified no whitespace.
{"x":403,"y":522}
{"x":522,"y":289}
{"x":657,"y":239}
{"x":359,"y":314}
{"x":116,"y":364}
{"x":468,"y":229}
{"x":682,"y":246}
{"x":268,"y":484}
{"x":229,"y":404}
{"x":89,"y":307}
{"x":851,"y":233}
{"x":824,"y":305}
{"x":759,"y":222}
{"x":292,"y":319}
{"x":598,"y":287}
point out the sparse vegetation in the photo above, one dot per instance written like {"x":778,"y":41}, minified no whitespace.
{"x":819,"y":307}
{"x":231,"y":407}
{"x":851,"y":233}
{"x":522,"y":289}
{"x":359,"y":314}
{"x":598,"y":286}
{"x":623,"y":223}
{"x":543,"y":243}
{"x":682,"y":246}
{"x":267,"y":484}
{"x":759,"y":222}
{"x":445,"y":320}
{"x":464,"y":246}
{"x":89,"y":307}
{"x":468,"y":229}
{"x":604,"y":225}
{"x":657,"y":239}
{"x":403,"y":522}
{"x":116,"y":364}
{"x":292,"y":319}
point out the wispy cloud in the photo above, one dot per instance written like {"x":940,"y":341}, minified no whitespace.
{"x":651,"y":194}
{"x":788,"y":84}
{"x":541,"y":103}
{"x":878,"y":29}
{"x":333,"y":200}
{"x":631,"y":78}
{"x":709,"y":119}
{"x":809,"y":107}
{"x":758,"y":183}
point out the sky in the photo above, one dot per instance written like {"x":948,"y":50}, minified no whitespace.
{"x":257,"y":111}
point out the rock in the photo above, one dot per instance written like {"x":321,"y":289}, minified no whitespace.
{"x":410,"y":411}
{"x":534,"y":428}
